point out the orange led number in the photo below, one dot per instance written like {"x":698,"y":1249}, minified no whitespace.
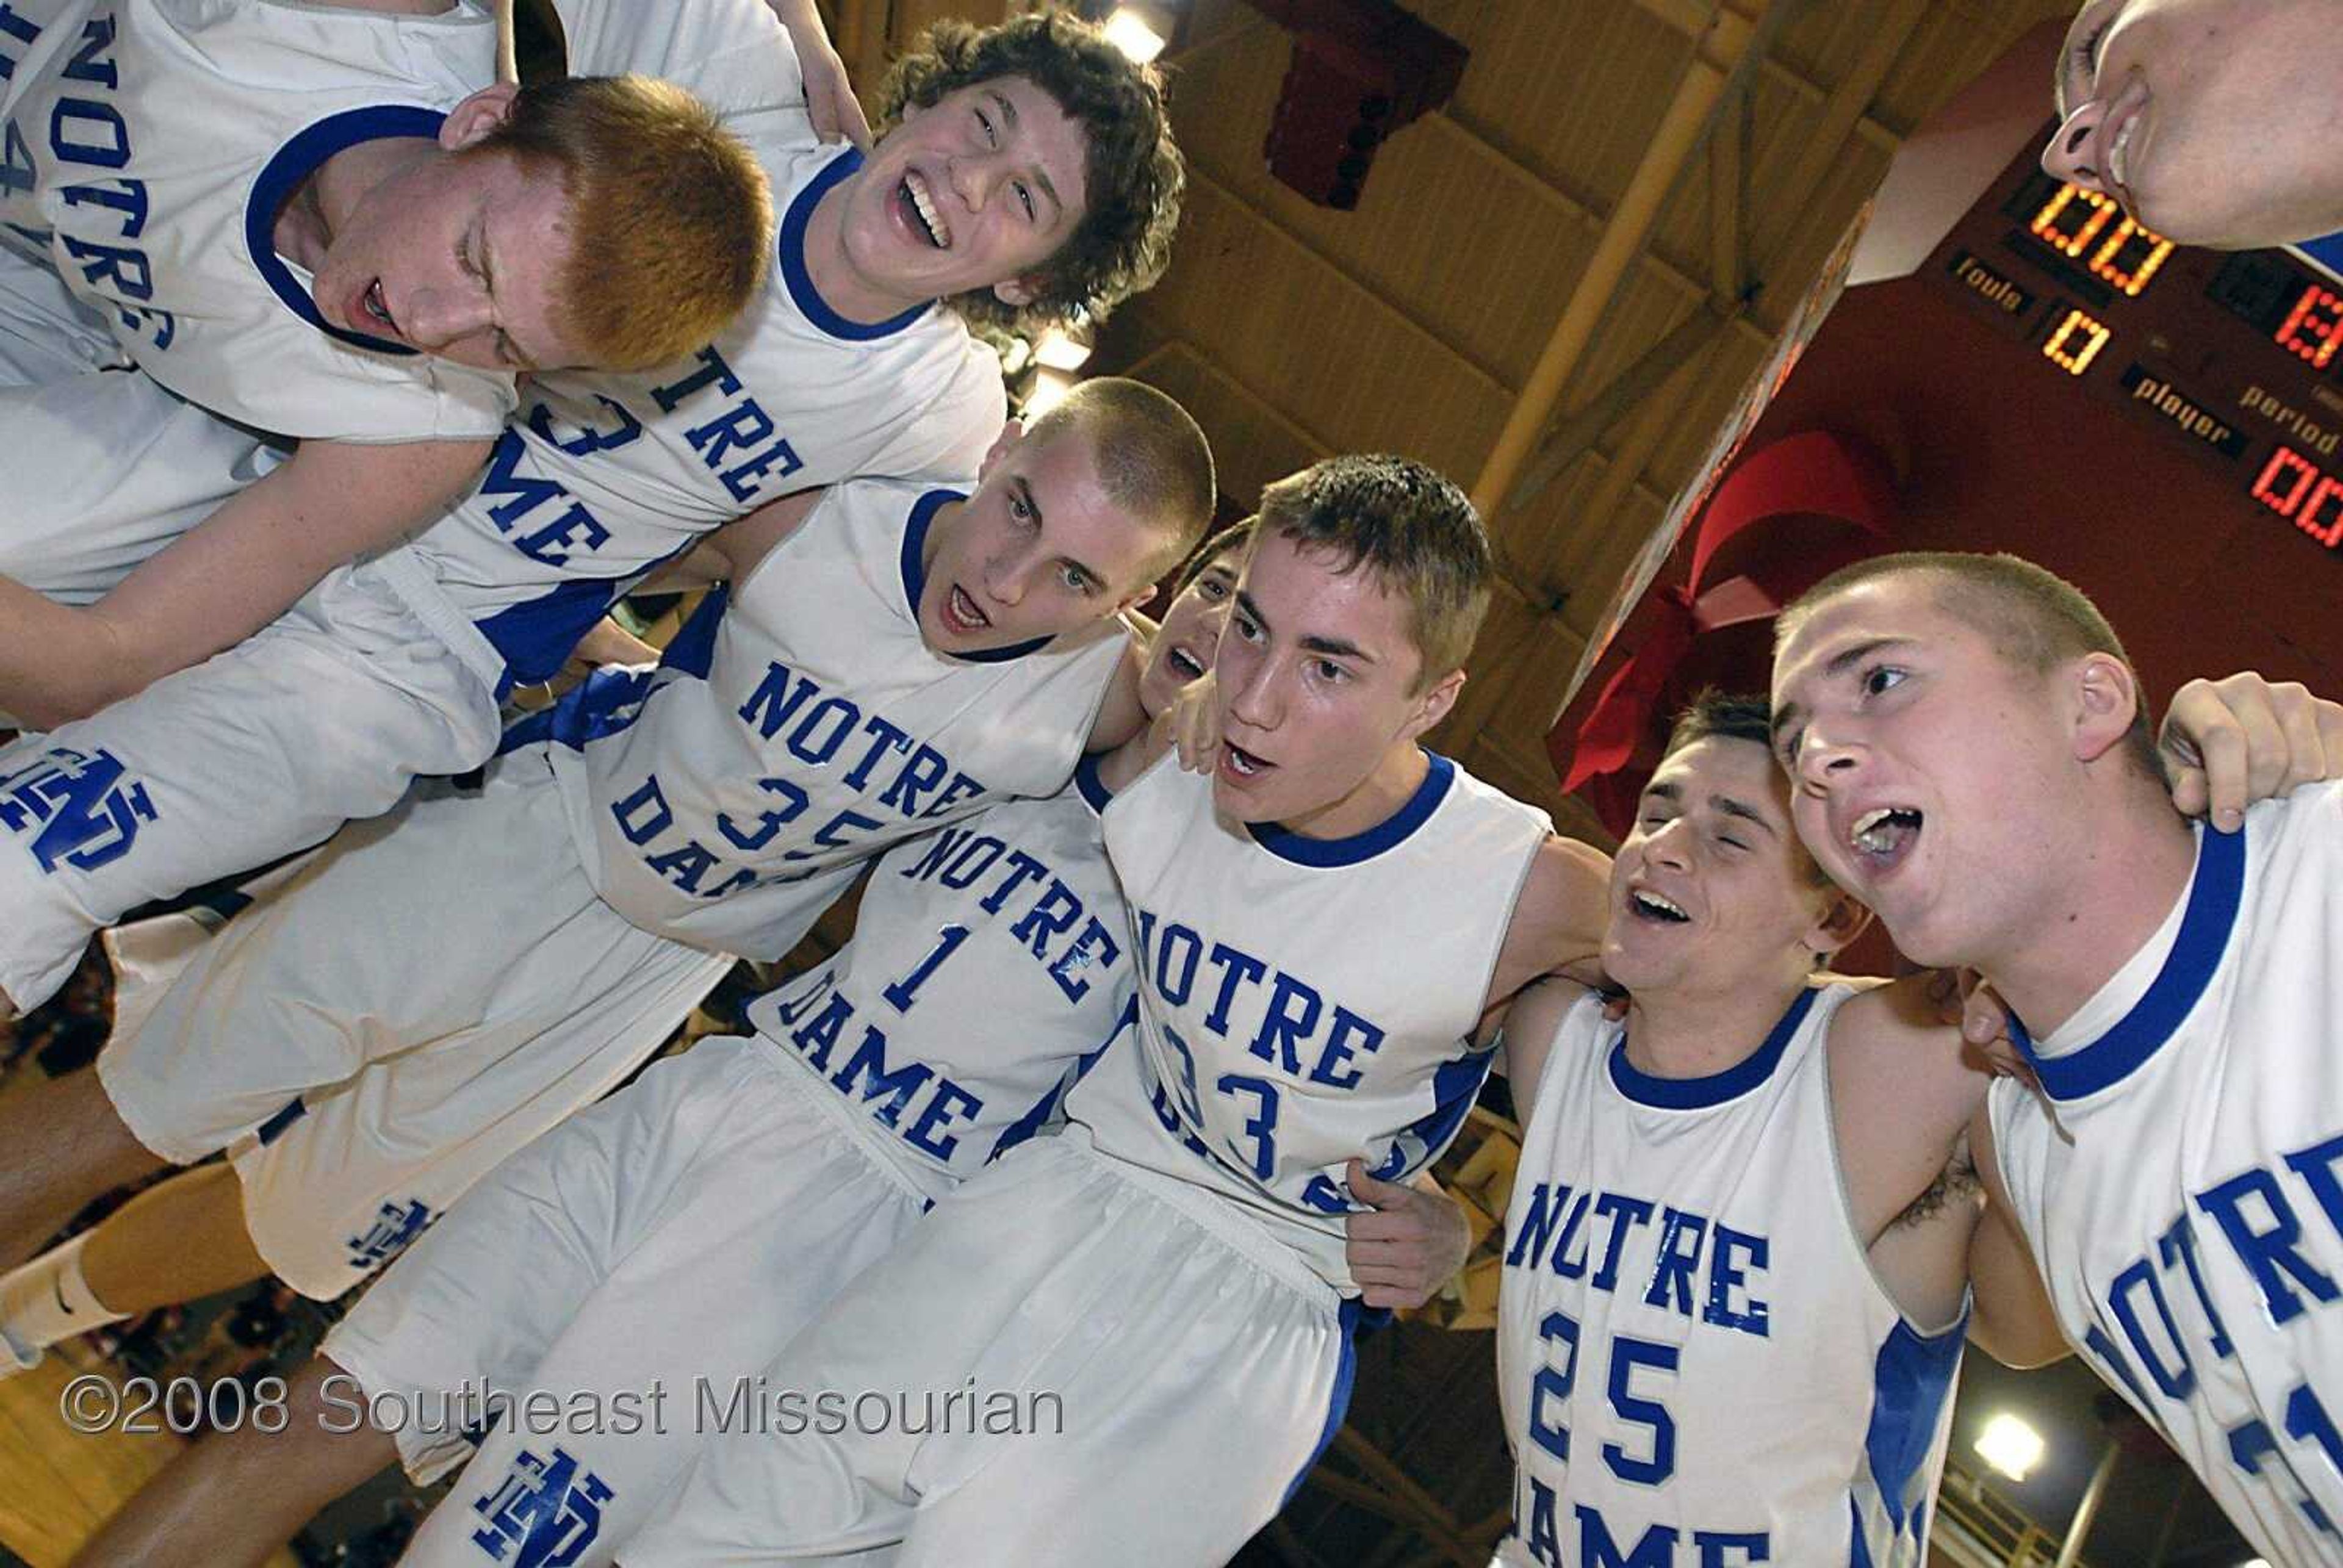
{"x":2076,"y":344}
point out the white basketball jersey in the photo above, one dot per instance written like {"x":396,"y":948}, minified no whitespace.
{"x":602,"y":477}
{"x":800,"y":725}
{"x":152,"y":143}
{"x":988,"y":966}
{"x":1305,"y":1000}
{"x":2182,"y":1187}
{"x":1697,"y":1363}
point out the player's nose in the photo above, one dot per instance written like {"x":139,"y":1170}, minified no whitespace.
{"x":2072,"y":153}
{"x":436,"y":317}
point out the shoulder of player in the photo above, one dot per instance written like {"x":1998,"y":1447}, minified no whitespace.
{"x":1566,"y":893}
{"x":1896,"y":1034}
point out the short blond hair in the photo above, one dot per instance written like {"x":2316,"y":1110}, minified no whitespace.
{"x":1151,"y":457}
{"x":670,"y":221}
{"x":2035,"y":618}
{"x":1410,"y":526}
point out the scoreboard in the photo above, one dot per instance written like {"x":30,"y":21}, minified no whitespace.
{"x":2237,"y":357}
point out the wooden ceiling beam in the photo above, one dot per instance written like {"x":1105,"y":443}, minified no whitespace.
{"x":1729,"y":146}
{"x":1424,"y":331}
{"x":1585,"y":423}
{"x":1723,"y":52}
{"x":1693,"y":17}
{"x":1843,"y":111}
{"x":1648,"y":261}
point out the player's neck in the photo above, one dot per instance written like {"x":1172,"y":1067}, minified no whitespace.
{"x":1391,"y":784}
{"x":1698,"y":1032}
{"x":2130,"y":866}
{"x":842,"y":284}
{"x":322,"y":204}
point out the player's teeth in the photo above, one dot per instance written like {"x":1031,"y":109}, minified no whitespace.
{"x":927,"y":214}
{"x":1653,"y":901}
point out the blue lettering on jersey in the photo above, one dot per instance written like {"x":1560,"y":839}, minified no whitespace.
{"x":1536,"y":1508}
{"x":569,"y":530}
{"x":549,"y":1508}
{"x":821,"y":1015}
{"x":740,"y":443}
{"x":1704,"y":1270}
{"x":958,"y":857}
{"x":2155,"y":1323}
{"x":88,"y":141}
{"x":395,"y":1227}
{"x":898,"y":778}
{"x":86,"y":809}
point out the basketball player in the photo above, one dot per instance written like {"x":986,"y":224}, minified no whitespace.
{"x":1316,"y":930}
{"x":1964,"y":738}
{"x":1062,"y":199}
{"x":883,"y":663}
{"x":764,"y":1170}
{"x":323,"y":192}
{"x":316,"y":1211}
{"x":2205,"y":118}
{"x":1745,"y":1210}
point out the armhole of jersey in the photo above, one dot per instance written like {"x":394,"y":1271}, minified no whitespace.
{"x":1845,"y":1194}
{"x":1488,"y":975}
{"x":832,"y":495}
{"x":1543,"y":1101}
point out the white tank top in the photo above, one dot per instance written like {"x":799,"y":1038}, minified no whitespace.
{"x":1692,"y":1347}
{"x":1305,"y":1000}
{"x":148,"y":146}
{"x":602,"y":477}
{"x":989,"y":962}
{"x":799,"y":725}
{"x":2180,"y":1180}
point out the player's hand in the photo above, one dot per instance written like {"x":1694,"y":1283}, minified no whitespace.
{"x":1408,"y":1247}
{"x":1962,"y":997}
{"x":831,"y":102}
{"x":2231,"y":743}
{"x":1196,"y":724}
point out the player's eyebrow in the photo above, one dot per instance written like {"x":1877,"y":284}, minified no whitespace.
{"x":1725,"y":805}
{"x":1787,"y":715}
{"x":1337,"y":648}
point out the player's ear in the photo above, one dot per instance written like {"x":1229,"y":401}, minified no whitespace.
{"x":1433,"y":705}
{"x":478,"y":115}
{"x":1840,"y":920}
{"x":2106,"y":698}
{"x":1002,"y":445}
{"x":1017,"y":293}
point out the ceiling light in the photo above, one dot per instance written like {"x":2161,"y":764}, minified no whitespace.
{"x":1050,"y":389}
{"x":1129,"y":31}
{"x":2010,"y":1446}
{"x":1062,"y":351}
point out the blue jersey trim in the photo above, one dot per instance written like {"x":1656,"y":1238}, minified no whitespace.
{"x":692,"y":650}
{"x":1911,"y":1380}
{"x":1353,"y":1313}
{"x":1718,"y":1088}
{"x":800,"y":281}
{"x":295,"y":162}
{"x":1094,"y":790}
{"x":1455,"y":1086}
{"x":2214,"y":896}
{"x":1026,"y":1126}
{"x":1394,"y":829}
{"x":915,"y":577}
{"x":274,"y":1128}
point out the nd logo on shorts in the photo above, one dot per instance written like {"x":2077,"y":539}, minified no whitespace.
{"x":547,"y":1507}
{"x":394,"y":1226}
{"x":87,"y":816}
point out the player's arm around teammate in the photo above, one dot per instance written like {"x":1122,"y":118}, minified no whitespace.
{"x":406,"y":259}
